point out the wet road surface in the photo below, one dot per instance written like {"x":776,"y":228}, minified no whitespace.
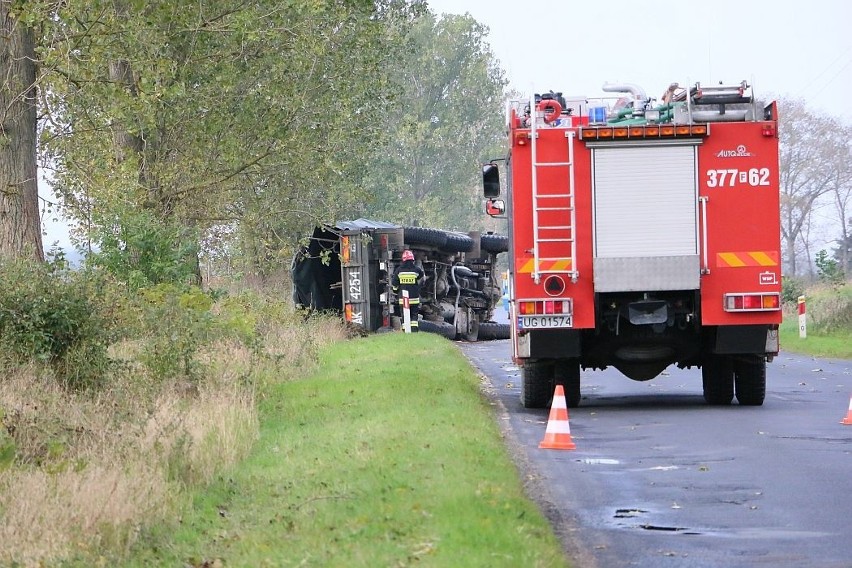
{"x":661,"y":479}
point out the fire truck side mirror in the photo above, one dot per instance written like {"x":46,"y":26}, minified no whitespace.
{"x":495,"y":207}
{"x":490,"y":180}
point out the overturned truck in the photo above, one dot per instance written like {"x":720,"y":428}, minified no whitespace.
{"x":346,"y":268}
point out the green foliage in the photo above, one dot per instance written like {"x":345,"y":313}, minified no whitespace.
{"x":829,"y":270}
{"x":55,"y":317}
{"x":449,"y":120}
{"x":8,"y":447}
{"x":791,"y":289}
{"x":255,"y":116}
{"x":176,"y":323}
{"x":142,"y":250}
{"x":830,"y":309}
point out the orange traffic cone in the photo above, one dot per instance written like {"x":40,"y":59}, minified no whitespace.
{"x":558,"y":433}
{"x":848,"y":419}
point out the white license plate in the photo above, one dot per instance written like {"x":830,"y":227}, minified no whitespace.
{"x":544,"y":322}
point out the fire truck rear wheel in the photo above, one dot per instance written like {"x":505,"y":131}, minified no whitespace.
{"x":536,"y":384}
{"x":717,"y":374}
{"x":750,"y":379}
{"x":566,"y":372}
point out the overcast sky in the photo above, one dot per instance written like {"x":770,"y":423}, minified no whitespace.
{"x":782,"y":47}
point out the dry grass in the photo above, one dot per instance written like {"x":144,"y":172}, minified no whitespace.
{"x":49,"y":515}
{"x":89,"y":470}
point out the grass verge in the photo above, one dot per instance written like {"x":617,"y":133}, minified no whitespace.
{"x":387,"y":455}
{"x":834,"y":344}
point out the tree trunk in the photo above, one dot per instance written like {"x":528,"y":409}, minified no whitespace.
{"x":20,"y":224}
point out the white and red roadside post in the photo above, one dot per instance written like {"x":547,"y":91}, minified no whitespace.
{"x":406,"y":312}
{"x":803,"y":324}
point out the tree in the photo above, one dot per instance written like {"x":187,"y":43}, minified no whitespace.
{"x":809,"y":145}
{"x":841,"y":192}
{"x":448,"y":120}
{"x":256,"y":115}
{"x":20,"y":224}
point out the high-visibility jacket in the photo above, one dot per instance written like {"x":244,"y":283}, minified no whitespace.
{"x":408,"y":276}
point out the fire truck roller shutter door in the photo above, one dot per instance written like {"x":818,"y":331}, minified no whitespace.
{"x":645,"y":217}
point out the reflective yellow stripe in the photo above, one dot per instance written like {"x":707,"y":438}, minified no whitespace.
{"x":762,"y":258}
{"x":750,"y":258}
{"x":562,"y":264}
{"x":730,"y":259}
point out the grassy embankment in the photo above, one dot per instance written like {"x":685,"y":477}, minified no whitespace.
{"x":829,"y":324}
{"x":387,"y":455}
{"x":298,"y":448}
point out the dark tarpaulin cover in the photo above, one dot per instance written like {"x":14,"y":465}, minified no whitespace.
{"x":317,"y":285}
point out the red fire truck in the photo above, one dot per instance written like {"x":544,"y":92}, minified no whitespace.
{"x":642,"y":234}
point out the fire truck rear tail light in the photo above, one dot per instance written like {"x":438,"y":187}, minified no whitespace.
{"x":605,"y":133}
{"x":667,"y":131}
{"x":620,"y":132}
{"x":521,"y":138}
{"x":555,"y":307}
{"x":699,"y":129}
{"x":752,"y":302}
{"x":544,"y":307}
{"x":682,"y":130}
{"x":526,"y":308}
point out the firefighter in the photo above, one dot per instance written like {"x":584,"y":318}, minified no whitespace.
{"x":407,"y":277}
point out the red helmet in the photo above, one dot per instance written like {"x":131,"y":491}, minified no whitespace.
{"x":407,"y":255}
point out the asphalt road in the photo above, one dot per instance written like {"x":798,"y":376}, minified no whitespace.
{"x":661,"y":479}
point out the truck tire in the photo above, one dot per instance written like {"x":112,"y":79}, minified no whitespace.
{"x":717,"y":374}
{"x":536,"y":384}
{"x":566,"y":372}
{"x":425,"y":236}
{"x":457,"y":242}
{"x":489,"y":330}
{"x":438,"y":327}
{"x":750,"y":379}
{"x":492,"y":243}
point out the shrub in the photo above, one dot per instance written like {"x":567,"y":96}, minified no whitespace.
{"x":176,"y":322}
{"x":829,"y":270}
{"x":791,"y":289}
{"x":52,"y":316}
{"x":142,"y":250}
{"x":830,"y":309}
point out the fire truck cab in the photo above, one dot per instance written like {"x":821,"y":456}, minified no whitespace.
{"x":642,"y":233}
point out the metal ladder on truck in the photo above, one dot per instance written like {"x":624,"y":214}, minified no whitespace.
{"x":561,"y":204}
